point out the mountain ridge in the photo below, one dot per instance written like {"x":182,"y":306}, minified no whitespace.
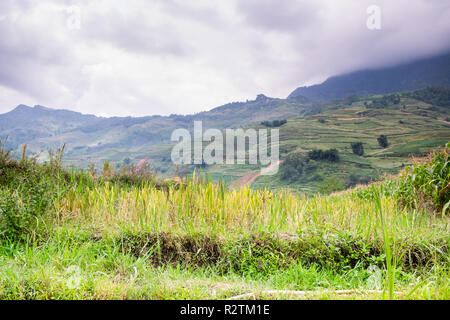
{"x":403,"y":77}
{"x":43,"y":128}
{"x":91,"y":138}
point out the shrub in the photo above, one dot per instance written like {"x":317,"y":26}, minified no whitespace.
{"x":385,"y":101}
{"x":328,"y":155}
{"x":383,"y":141}
{"x":26,"y":191}
{"x":274,"y":124}
{"x":131,"y":174}
{"x":5,"y":155}
{"x":424,"y":185}
{"x":19,"y":209}
{"x":358,"y":148}
{"x":331,"y":184}
{"x":429,"y":181}
{"x":293,"y":166}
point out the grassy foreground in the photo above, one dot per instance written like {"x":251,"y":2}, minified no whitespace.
{"x":69,"y":235}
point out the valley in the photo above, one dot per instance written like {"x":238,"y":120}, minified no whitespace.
{"x":413,"y":127}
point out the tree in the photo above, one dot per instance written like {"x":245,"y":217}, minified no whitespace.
{"x":316,"y":154}
{"x":328,"y":155}
{"x":435,"y":95}
{"x":383,"y":141}
{"x":358,"y":148}
{"x":275,"y":123}
{"x":293,"y":166}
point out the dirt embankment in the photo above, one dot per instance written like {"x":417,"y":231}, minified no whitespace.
{"x":249,"y":178}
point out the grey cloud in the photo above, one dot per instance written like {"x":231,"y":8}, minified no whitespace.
{"x":282,"y":15}
{"x":7,"y":5}
{"x":172,"y":56}
{"x":210,"y":15}
{"x":332,"y":42}
{"x":134,"y":32}
{"x":34,"y":59}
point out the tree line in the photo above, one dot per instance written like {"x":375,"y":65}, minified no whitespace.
{"x":274,"y":124}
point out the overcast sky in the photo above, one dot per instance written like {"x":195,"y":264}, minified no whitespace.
{"x":145,"y":57}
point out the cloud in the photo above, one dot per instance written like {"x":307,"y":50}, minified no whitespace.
{"x":34,"y":59}
{"x":282,"y":16}
{"x":132,"y":30}
{"x":171,"y":56}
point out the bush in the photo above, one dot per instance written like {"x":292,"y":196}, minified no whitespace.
{"x":331,"y":184}
{"x":274,"y":124}
{"x":26,"y":191}
{"x":428,"y":182}
{"x":385,"y":101}
{"x":383,"y":141}
{"x":138,"y":174}
{"x":424,"y":185}
{"x":293,"y":166}
{"x":331,"y":155}
{"x":19,"y":209}
{"x":358,"y":148}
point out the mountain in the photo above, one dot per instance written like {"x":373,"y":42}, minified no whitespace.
{"x":415,"y":122}
{"x":25,"y":124}
{"x":43,"y":128}
{"x":407,"y":77}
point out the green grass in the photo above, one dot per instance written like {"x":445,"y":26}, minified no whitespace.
{"x":60,"y":270}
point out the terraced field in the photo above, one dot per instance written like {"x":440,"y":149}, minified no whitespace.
{"x":413,"y":128}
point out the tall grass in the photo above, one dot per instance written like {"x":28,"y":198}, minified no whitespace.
{"x":425,"y":185}
{"x":390,"y":265}
{"x":120,"y":223}
{"x":207,"y":208}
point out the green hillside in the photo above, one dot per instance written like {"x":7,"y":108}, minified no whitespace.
{"x":413,"y":127}
{"x":413,"y":122}
{"x":93,"y":139}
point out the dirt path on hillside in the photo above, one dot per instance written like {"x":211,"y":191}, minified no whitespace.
{"x":249,"y":178}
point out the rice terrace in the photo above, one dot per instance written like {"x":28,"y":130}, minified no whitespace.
{"x":338,"y":190}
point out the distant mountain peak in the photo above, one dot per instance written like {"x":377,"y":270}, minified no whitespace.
{"x":25,"y":108}
{"x":22,"y":107}
{"x":39,"y":107}
{"x":261,"y":97}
